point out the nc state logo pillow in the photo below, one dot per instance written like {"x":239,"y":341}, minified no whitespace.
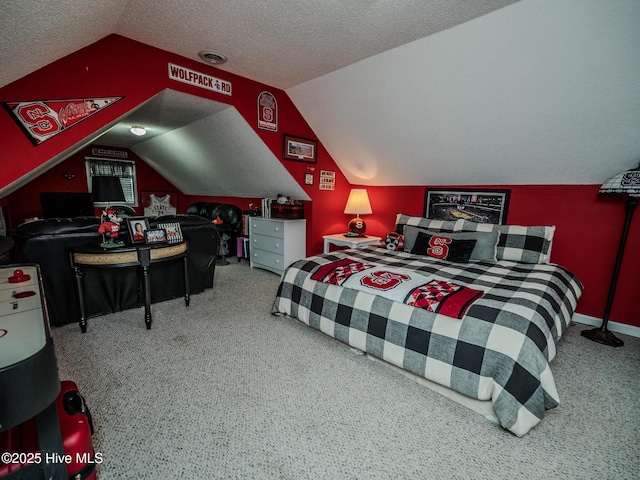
{"x":443,"y":247}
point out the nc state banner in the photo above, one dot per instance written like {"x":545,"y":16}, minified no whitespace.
{"x":44,"y":119}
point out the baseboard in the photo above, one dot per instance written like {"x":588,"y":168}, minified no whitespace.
{"x":613,"y":326}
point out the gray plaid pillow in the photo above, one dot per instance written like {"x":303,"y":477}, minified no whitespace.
{"x":517,"y":243}
{"x":424,"y":223}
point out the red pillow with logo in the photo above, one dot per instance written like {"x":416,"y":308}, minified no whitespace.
{"x":443,"y":247}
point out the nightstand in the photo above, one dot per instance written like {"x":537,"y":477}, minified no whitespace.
{"x":351,"y":242}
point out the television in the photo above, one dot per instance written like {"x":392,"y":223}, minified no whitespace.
{"x":66,"y":204}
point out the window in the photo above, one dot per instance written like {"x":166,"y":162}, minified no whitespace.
{"x":123,"y":169}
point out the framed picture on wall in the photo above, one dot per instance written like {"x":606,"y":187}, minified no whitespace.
{"x":475,"y":204}
{"x":156,"y":203}
{"x":300,"y":149}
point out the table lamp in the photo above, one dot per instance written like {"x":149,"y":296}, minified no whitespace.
{"x":106,"y":189}
{"x":625,"y":184}
{"x":357,"y":204}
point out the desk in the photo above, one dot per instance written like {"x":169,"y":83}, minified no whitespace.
{"x":351,"y":242}
{"x":136,"y":256}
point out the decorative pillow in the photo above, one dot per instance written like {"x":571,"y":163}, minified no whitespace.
{"x":484,"y":251}
{"x":443,"y":247}
{"x":393,"y":241}
{"x":518,"y":243}
{"x":425,"y":223}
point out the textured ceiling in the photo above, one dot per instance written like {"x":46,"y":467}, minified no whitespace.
{"x":423,"y":92}
{"x":281,"y":43}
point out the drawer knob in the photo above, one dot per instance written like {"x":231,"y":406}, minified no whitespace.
{"x":277,"y":245}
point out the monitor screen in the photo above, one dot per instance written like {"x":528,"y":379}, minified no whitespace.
{"x":66,"y":204}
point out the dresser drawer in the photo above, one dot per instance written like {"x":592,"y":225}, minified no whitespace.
{"x":270,"y":228}
{"x":270,"y":244}
{"x":269,"y":260}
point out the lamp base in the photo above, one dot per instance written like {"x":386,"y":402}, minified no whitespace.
{"x":603,"y":336}
{"x":357,"y":226}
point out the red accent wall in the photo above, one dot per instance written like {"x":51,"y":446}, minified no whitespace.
{"x":25,"y":202}
{"x":588,"y":230}
{"x":588,"y":227}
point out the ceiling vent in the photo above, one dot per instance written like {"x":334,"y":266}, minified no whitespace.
{"x":212,"y":57}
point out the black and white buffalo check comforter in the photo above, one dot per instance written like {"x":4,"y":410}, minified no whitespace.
{"x":499,"y":350}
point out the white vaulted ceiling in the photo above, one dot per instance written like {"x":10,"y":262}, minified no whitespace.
{"x":280,"y":42}
{"x":414,"y":92}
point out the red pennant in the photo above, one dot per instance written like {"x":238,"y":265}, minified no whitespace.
{"x":44,"y":119}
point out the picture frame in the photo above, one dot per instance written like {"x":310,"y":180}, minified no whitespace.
{"x":308,"y":178}
{"x":300,"y":149}
{"x":173,"y":232}
{"x":156,"y":235}
{"x":137,"y":228}
{"x":480,"y":205}
{"x":158,"y":202}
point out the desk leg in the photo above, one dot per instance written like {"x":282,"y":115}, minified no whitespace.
{"x":146,"y":286}
{"x":187,"y":286}
{"x":326,"y":245}
{"x":144,"y":257}
{"x":80,"y":287}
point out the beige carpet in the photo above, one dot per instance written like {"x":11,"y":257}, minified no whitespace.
{"x":221,"y":389}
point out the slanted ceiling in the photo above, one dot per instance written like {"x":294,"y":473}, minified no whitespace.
{"x":211,"y":149}
{"x":540,"y":92}
{"x":433,"y":92}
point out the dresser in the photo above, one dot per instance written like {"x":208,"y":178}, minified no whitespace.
{"x":276,"y":243}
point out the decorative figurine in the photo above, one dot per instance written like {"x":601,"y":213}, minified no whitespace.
{"x":110,"y":227}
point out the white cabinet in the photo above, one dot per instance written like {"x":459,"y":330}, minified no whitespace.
{"x":276,"y":243}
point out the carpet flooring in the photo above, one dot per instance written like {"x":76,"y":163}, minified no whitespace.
{"x":223,"y":390}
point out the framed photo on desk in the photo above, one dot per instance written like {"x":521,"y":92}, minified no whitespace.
{"x":157,"y":235}
{"x":137,"y":227}
{"x":174,"y":232}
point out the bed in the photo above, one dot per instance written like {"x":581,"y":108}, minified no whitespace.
{"x":486,"y":325}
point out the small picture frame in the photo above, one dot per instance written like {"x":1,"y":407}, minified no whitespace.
{"x":308,"y":178}
{"x":157,"y":235}
{"x":174,"y":232}
{"x":300,"y":149}
{"x":137,"y":228}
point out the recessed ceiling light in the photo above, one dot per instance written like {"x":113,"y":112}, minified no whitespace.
{"x":138,"y":130}
{"x":210,"y":56}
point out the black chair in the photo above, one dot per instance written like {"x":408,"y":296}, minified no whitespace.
{"x":229,"y":228}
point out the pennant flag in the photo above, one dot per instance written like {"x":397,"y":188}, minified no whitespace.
{"x":43,"y":119}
